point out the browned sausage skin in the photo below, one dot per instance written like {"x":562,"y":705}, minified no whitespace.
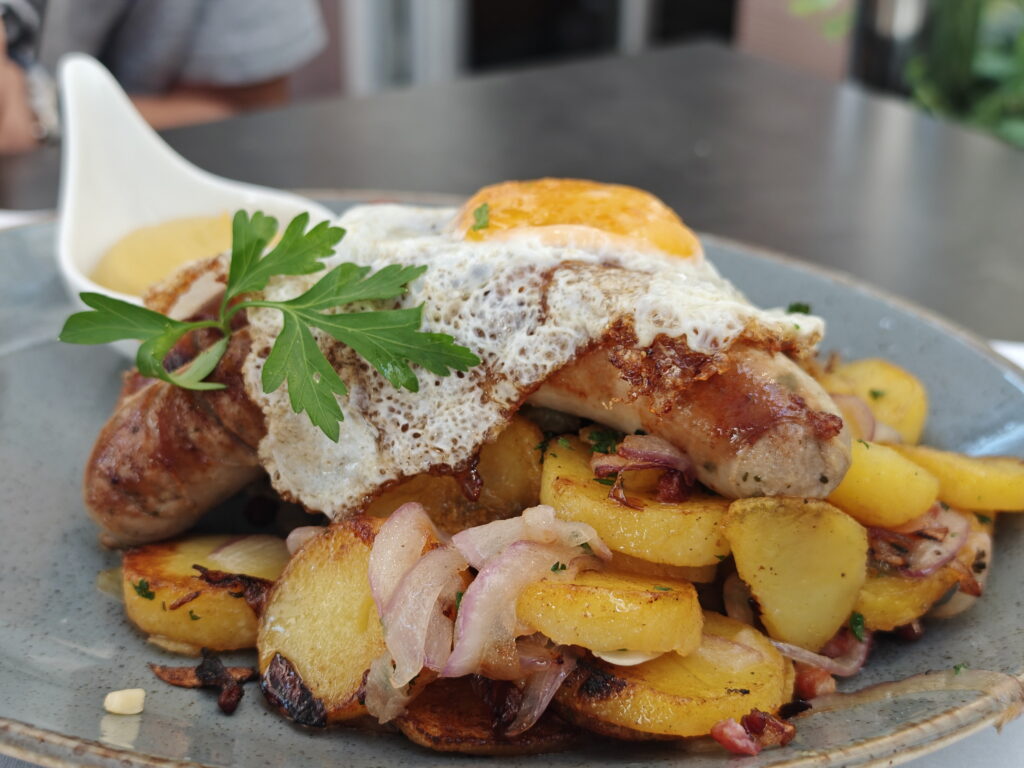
{"x":756,"y":425}
{"x":167,"y":455}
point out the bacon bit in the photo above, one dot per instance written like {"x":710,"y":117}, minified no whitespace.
{"x":252,"y":589}
{"x":825,"y":425}
{"x":211,"y":673}
{"x":968,"y":584}
{"x":812,"y":681}
{"x":769,"y":730}
{"x":469,"y":480}
{"x":673,"y":487}
{"x":910,"y":632}
{"x":183,"y":600}
{"x":734,"y":737}
{"x":503,"y":699}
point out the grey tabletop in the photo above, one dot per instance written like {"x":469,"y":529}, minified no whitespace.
{"x":828,"y":173}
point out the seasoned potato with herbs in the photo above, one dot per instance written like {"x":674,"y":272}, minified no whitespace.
{"x":984,"y":483}
{"x":165,"y":597}
{"x":805,"y":562}
{"x":882,"y":488}
{"x":890,"y":600}
{"x":509,"y":469}
{"x":605,"y":611}
{"x":320,"y":630}
{"x":734,"y":670}
{"x":675,"y":533}
{"x":895,"y":396}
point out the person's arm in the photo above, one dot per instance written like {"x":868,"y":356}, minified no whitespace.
{"x":17,"y":123}
{"x":186,"y":104}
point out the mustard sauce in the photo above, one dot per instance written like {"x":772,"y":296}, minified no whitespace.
{"x":148,"y":255}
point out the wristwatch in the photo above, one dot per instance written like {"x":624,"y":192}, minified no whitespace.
{"x":22,"y":22}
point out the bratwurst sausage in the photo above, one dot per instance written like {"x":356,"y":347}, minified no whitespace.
{"x":759,"y":426}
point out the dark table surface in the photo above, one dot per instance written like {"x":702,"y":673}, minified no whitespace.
{"x":828,"y":173}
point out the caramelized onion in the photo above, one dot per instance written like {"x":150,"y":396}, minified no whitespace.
{"x":736,"y":598}
{"x":300,"y":536}
{"x":849,"y":663}
{"x":485,"y":629}
{"x":414,"y":620}
{"x":396,"y":548}
{"x":540,"y":688}
{"x":478,"y":545}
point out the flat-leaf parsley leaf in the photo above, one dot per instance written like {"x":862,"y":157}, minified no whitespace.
{"x":390,"y":340}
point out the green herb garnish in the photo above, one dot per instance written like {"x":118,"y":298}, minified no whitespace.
{"x":958,"y":668}
{"x":604,"y":440}
{"x":390,"y":340}
{"x":604,"y":480}
{"x":458,"y":600}
{"x":587,"y":548}
{"x":983,"y":519}
{"x":865,"y":443}
{"x":481,"y":217}
{"x":192,"y":615}
{"x":799,"y":307}
{"x":142,"y":590}
{"x":857,"y":626}
{"x":876,"y":393}
{"x":564,"y":442}
{"x":558,"y":567}
{"x":663,"y":589}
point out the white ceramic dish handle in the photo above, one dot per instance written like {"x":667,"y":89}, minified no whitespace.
{"x":118,"y":175}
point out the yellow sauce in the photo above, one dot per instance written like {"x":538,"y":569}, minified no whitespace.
{"x":150,"y":254}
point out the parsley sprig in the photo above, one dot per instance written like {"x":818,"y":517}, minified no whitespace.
{"x":390,"y":340}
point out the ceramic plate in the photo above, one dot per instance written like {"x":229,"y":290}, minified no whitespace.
{"x":64,"y":643}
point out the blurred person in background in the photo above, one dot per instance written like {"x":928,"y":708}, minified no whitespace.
{"x":181,"y":61}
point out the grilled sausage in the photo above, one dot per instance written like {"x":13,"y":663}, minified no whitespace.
{"x":759,"y":426}
{"x":167,"y":455}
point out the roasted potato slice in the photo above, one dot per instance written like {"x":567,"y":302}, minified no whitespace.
{"x":450,"y":716}
{"x":734,"y":670}
{"x":895,"y":396}
{"x":985,"y":483}
{"x":605,"y":611}
{"x":164,"y":596}
{"x":698,"y":574}
{"x":677,"y":533}
{"x":509,"y":470}
{"x":805,"y":562}
{"x":882,"y":488}
{"x":320,"y":629}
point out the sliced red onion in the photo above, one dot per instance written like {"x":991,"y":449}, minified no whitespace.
{"x":846,"y":665}
{"x":396,"y":548}
{"x":858,"y":412}
{"x":656,"y":451}
{"x":540,"y":688}
{"x":981,"y":544}
{"x":300,"y":536}
{"x":536,"y":653}
{"x":886,"y":434}
{"x":933,"y":551}
{"x":735,"y":738}
{"x":736,"y":598}
{"x":382,"y":699}
{"x":411,"y":622}
{"x":486,"y":624}
{"x":478,"y":545}
{"x":606,"y":464}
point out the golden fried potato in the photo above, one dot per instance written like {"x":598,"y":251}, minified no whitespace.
{"x":984,"y":483}
{"x":164,"y":596}
{"x":805,"y":562}
{"x":890,"y":600}
{"x":564,"y":206}
{"x":606,"y":611}
{"x":734,"y":670}
{"x":450,"y":716}
{"x":509,"y":469}
{"x":895,"y":396}
{"x":698,"y":574}
{"x":882,"y":488}
{"x":320,"y":629}
{"x":677,"y":533}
